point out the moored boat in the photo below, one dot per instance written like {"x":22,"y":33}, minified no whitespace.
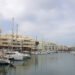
{"x":14,"y":55}
{"x":26,"y":54}
{"x":4,"y":61}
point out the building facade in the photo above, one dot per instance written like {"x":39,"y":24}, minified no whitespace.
{"x":63,"y":48}
{"x":16,"y":42}
{"x":47,"y":46}
{"x":26,"y":43}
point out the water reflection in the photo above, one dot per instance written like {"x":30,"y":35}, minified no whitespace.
{"x":53,"y":64}
{"x":36,"y":62}
{"x":3,"y":70}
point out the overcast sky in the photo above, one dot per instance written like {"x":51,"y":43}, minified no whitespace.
{"x":50,"y":20}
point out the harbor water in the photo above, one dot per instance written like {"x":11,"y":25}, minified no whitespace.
{"x":50,"y":64}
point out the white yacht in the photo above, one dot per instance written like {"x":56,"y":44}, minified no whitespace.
{"x":14,"y":55}
{"x":72,"y":52}
{"x":25,"y":54}
{"x":4,"y":61}
{"x":18,"y":56}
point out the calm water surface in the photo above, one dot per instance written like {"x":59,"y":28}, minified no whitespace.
{"x":51,"y":64}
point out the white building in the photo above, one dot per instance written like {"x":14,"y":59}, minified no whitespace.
{"x":47,"y":46}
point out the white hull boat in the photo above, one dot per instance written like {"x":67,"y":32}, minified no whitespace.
{"x":26,"y":55}
{"x":4,"y":61}
{"x":14,"y":55}
{"x":72,"y":52}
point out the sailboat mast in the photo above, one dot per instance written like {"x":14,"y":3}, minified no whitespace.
{"x":17,"y":29}
{"x":16,"y":35}
{"x":12,"y":31}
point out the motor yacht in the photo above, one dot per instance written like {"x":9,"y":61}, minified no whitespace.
{"x":14,"y":55}
{"x":25,"y":54}
{"x":4,"y":61}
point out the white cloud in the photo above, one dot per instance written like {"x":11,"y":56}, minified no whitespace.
{"x":50,"y":18}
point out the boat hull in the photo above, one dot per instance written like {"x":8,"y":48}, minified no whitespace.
{"x":4,"y":62}
{"x":18,"y":58}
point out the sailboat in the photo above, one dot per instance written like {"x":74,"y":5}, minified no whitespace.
{"x":15,"y":55}
{"x":3,"y":59}
{"x":12,"y":54}
{"x":23,"y":53}
{"x":26,"y":55}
